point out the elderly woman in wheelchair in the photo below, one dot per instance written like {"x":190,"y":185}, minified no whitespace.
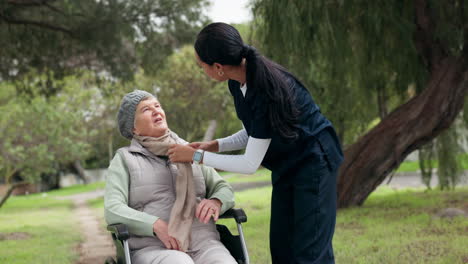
{"x":169,"y":209}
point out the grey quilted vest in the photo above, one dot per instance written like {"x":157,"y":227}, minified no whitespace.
{"x":152,"y":190}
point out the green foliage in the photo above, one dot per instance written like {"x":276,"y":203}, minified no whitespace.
{"x":426,"y":165}
{"x":46,"y":47}
{"x":450,"y":170}
{"x":39,"y":132}
{"x":106,"y":36}
{"x":358,"y":58}
{"x":445,"y":154}
{"x":413,"y":166}
{"x":333,"y":47}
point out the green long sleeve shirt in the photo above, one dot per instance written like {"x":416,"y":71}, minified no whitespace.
{"x":116,"y":207}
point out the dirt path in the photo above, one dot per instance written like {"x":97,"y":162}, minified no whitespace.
{"x":97,"y":244}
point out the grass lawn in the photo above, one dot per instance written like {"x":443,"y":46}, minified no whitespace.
{"x":400,"y":227}
{"x":391,"y":227}
{"x":259,"y":176}
{"x":38,"y":229}
{"x":78,"y":188}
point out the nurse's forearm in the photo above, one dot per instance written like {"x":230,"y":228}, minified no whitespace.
{"x":247,"y":163}
{"x":234,"y":142}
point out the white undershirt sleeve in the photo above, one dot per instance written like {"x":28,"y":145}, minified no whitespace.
{"x":247,"y":163}
{"x":234,"y":142}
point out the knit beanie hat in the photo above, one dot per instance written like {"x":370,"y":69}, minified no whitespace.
{"x":126,"y":115}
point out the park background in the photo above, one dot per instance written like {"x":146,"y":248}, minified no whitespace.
{"x":392,"y":76}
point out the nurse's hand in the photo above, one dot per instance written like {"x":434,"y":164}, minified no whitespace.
{"x":211,"y":146}
{"x":180,"y":153}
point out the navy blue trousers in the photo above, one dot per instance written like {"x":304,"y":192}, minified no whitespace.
{"x":303,"y":214}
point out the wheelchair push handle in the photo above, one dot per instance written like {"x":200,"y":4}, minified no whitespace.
{"x":238,"y":214}
{"x":119,"y":230}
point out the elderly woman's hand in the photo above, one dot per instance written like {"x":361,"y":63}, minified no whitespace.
{"x":160,"y":228}
{"x":180,"y":153}
{"x":208,"y":208}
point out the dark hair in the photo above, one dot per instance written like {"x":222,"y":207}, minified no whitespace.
{"x":222,"y":43}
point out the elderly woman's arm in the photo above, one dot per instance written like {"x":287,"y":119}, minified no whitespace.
{"x":116,"y":207}
{"x":217,"y":187}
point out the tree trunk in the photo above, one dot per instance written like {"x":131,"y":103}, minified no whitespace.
{"x":50,"y":181}
{"x":413,"y":124}
{"x":110,"y":147}
{"x":80,"y":171}
{"x":210,"y":131}
{"x":10,"y":191}
{"x":370,"y":159}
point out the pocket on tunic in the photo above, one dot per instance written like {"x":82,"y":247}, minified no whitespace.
{"x":330,"y":146}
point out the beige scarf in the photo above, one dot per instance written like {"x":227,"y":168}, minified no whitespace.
{"x":183,"y":211}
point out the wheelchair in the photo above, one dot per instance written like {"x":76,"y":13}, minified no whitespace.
{"x":234,"y":243}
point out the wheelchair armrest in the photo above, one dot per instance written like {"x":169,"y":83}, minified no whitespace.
{"x":120,"y":231}
{"x":238,"y":214}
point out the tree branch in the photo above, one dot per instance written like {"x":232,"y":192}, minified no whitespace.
{"x":55,"y":9}
{"x":28,"y":2}
{"x":40,"y":3}
{"x":36,"y":23}
{"x":429,"y":48}
{"x":10,"y":191}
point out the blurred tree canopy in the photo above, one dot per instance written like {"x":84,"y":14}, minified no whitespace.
{"x":111,"y":37}
{"x":404,"y":63}
{"x":38,"y":134}
{"x":64,"y":66}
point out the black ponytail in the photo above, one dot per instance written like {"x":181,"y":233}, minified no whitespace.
{"x":222,"y":43}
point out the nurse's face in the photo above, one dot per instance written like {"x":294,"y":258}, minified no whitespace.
{"x":215,"y":71}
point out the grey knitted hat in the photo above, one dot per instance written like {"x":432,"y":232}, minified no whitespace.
{"x":126,"y":115}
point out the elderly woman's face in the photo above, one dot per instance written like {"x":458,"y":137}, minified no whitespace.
{"x":150,"y":119}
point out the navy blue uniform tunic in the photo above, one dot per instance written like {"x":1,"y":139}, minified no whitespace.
{"x":303,"y":207}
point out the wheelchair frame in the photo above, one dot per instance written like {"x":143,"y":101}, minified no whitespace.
{"x":234,"y":243}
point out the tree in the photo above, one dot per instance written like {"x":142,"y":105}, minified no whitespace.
{"x":58,"y":37}
{"x":426,"y":163}
{"x":39,"y":132}
{"x":369,"y":45}
{"x":448,"y":150}
{"x":45,"y":42}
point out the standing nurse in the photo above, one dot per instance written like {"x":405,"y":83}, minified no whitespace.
{"x":285,"y":132}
